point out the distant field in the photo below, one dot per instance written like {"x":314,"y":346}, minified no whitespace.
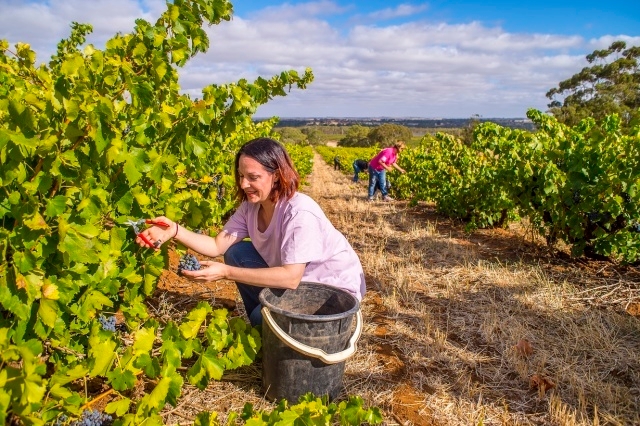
{"x":335,"y":133}
{"x":331,"y":137}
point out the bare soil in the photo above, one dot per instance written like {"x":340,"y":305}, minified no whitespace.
{"x":444,"y":314}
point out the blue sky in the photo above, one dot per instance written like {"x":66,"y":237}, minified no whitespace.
{"x":370,"y":58}
{"x":587,"y":18}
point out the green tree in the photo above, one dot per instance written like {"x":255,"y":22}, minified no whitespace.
{"x":610,"y":85}
{"x":387,"y":134}
{"x":290,"y":135}
{"x":356,"y":135}
{"x":314,"y":136}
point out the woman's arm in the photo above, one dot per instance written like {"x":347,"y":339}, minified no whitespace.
{"x":386,"y":166}
{"x":200,"y":243}
{"x":205,"y":244}
{"x":400,"y":169}
{"x":286,"y":276}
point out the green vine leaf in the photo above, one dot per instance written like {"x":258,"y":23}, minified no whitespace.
{"x":121,"y":379}
{"x":195,"y":318}
{"x":118,"y":407}
{"x":101,"y":355}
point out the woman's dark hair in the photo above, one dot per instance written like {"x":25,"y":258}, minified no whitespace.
{"x":275,"y":159}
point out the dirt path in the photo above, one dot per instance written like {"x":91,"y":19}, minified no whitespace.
{"x":443,"y":314}
{"x":379,"y":370}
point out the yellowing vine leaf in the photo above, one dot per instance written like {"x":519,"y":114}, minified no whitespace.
{"x":36,"y":222}
{"x":50,"y":290}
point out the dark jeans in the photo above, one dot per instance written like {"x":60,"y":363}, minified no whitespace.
{"x":356,"y":170}
{"x":377,"y":179}
{"x":244,"y":255}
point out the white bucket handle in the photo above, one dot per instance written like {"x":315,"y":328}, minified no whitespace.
{"x":309,"y":350}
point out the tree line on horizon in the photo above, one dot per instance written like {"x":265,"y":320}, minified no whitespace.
{"x":609,"y":85}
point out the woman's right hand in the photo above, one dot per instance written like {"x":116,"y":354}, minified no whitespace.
{"x":157,"y":234}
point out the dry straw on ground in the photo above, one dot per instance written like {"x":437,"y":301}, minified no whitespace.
{"x":446,"y":315}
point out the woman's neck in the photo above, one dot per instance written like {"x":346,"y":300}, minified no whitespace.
{"x":265,"y":214}
{"x":268,"y":206}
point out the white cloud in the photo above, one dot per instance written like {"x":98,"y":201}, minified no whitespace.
{"x":44,"y":24}
{"x":294,"y":12}
{"x":399,"y":11}
{"x":605,"y":41}
{"x":412,"y":69}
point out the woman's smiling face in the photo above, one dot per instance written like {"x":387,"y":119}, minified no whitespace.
{"x":256,"y":181}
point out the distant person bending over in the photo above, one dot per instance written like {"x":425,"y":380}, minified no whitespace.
{"x":359,"y":166}
{"x":291,"y":238}
{"x":383,"y":162}
{"x":337,"y":165}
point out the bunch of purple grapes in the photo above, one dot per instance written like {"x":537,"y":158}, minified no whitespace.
{"x":188,"y":262}
{"x":93,"y":418}
{"x":220,"y":192}
{"x":108,"y":324}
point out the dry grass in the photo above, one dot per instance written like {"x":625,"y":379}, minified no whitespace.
{"x":443,"y":314}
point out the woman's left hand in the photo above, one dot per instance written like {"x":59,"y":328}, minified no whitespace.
{"x":211,"y":271}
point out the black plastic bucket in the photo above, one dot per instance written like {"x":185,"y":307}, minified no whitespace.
{"x":306,"y":339}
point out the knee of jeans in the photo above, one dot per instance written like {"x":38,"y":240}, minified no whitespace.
{"x":244,"y":255}
{"x":229,"y":259}
{"x":230,"y":255}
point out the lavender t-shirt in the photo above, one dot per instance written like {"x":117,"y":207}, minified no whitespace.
{"x":387,"y":156}
{"x":300,"y":232}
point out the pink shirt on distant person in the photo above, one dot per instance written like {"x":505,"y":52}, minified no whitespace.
{"x":387,"y":156}
{"x":300,"y":232}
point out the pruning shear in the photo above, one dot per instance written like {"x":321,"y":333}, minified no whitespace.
{"x":137,"y":225}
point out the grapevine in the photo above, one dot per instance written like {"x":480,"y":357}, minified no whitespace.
{"x":576,"y":184}
{"x":302,"y":157}
{"x":88,"y":140}
{"x":309,"y":410}
{"x":313,"y":410}
{"x":348,"y":155}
